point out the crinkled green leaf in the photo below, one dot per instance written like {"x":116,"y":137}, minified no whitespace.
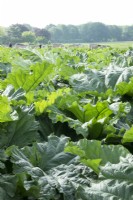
{"x":14,"y":95}
{"x":6,"y":111}
{"x":125,"y":88}
{"x":93,"y":154}
{"x":91,"y":81}
{"x":3,"y":159}
{"x":77,"y":110}
{"x":115,"y":75}
{"x":69,"y":177}
{"x":42,"y":105}
{"x":128,"y":136}
{"x":5,"y":68}
{"x":29,"y":80}
{"x":45,"y":155}
{"x":93,"y":117}
{"x":57,"y":115}
{"x":32,"y":54}
{"x":94,"y":80}
{"x":120,"y":108}
{"x":60,"y":182}
{"x":51,"y":170}
{"x":115,"y":182}
{"x":90,"y":118}
{"x":7,"y":187}
{"x":21,"y":63}
{"x":99,"y":111}
{"x":21,"y":132}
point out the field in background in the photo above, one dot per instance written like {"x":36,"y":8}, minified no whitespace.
{"x":122,"y":45}
{"x":119,"y":45}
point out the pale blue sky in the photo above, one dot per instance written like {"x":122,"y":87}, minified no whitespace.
{"x":40,"y":13}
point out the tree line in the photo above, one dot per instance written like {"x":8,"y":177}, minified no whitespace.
{"x":24,"y":33}
{"x":85,"y":33}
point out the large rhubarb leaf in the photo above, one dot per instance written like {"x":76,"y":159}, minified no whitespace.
{"x":14,"y":95}
{"x":87,"y":120}
{"x":128,"y":136}
{"x":57,"y":115}
{"x":43,"y":155}
{"x":42,"y":105}
{"x":51,"y":170}
{"x":6,"y":111}
{"x":115,"y":75}
{"x":3,"y":158}
{"x":7,"y":187}
{"x":32,"y":54}
{"x":21,"y":132}
{"x":94,"y":80}
{"x":91,"y":81}
{"x":125,"y":88}
{"x":115,"y":182}
{"x":93,"y":154}
{"x":5,"y":68}
{"x":29,"y":80}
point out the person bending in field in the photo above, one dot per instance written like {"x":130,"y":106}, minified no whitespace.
{"x":10,"y":45}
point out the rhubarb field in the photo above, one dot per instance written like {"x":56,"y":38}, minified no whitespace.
{"x":66,"y":124}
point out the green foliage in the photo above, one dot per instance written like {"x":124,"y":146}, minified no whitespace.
{"x":6,"y":111}
{"x":44,"y":163}
{"x":7,"y":187}
{"x":115,"y":182}
{"x":28,"y":36}
{"x":2,"y":31}
{"x":15,"y":32}
{"x":22,"y":132}
{"x":89,"y":32}
{"x":66,"y":122}
{"x":92,"y":153}
{"x":128,"y":136}
{"x":29,"y":80}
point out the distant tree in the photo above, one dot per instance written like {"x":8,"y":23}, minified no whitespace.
{"x":15,"y":32}
{"x":94,"y":32}
{"x":83,"y":31}
{"x":2,"y":31}
{"x":68,"y":33}
{"x":130,"y":31}
{"x":115,"y":33}
{"x":42,"y":33}
{"x":49,"y":26}
{"x":90,"y":32}
{"x":3,"y":36}
{"x":64,"y":33}
{"x":28,"y":36}
{"x":41,"y":40}
{"x":4,"y":40}
{"x":56,"y":34}
{"x":127,"y":33}
{"x":73,"y":33}
{"x":30,"y":28}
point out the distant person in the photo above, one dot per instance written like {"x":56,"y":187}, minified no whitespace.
{"x":40,"y":46}
{"x":10,"y":45}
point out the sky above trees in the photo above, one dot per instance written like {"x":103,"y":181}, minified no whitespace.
{"x":40,"y":13}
